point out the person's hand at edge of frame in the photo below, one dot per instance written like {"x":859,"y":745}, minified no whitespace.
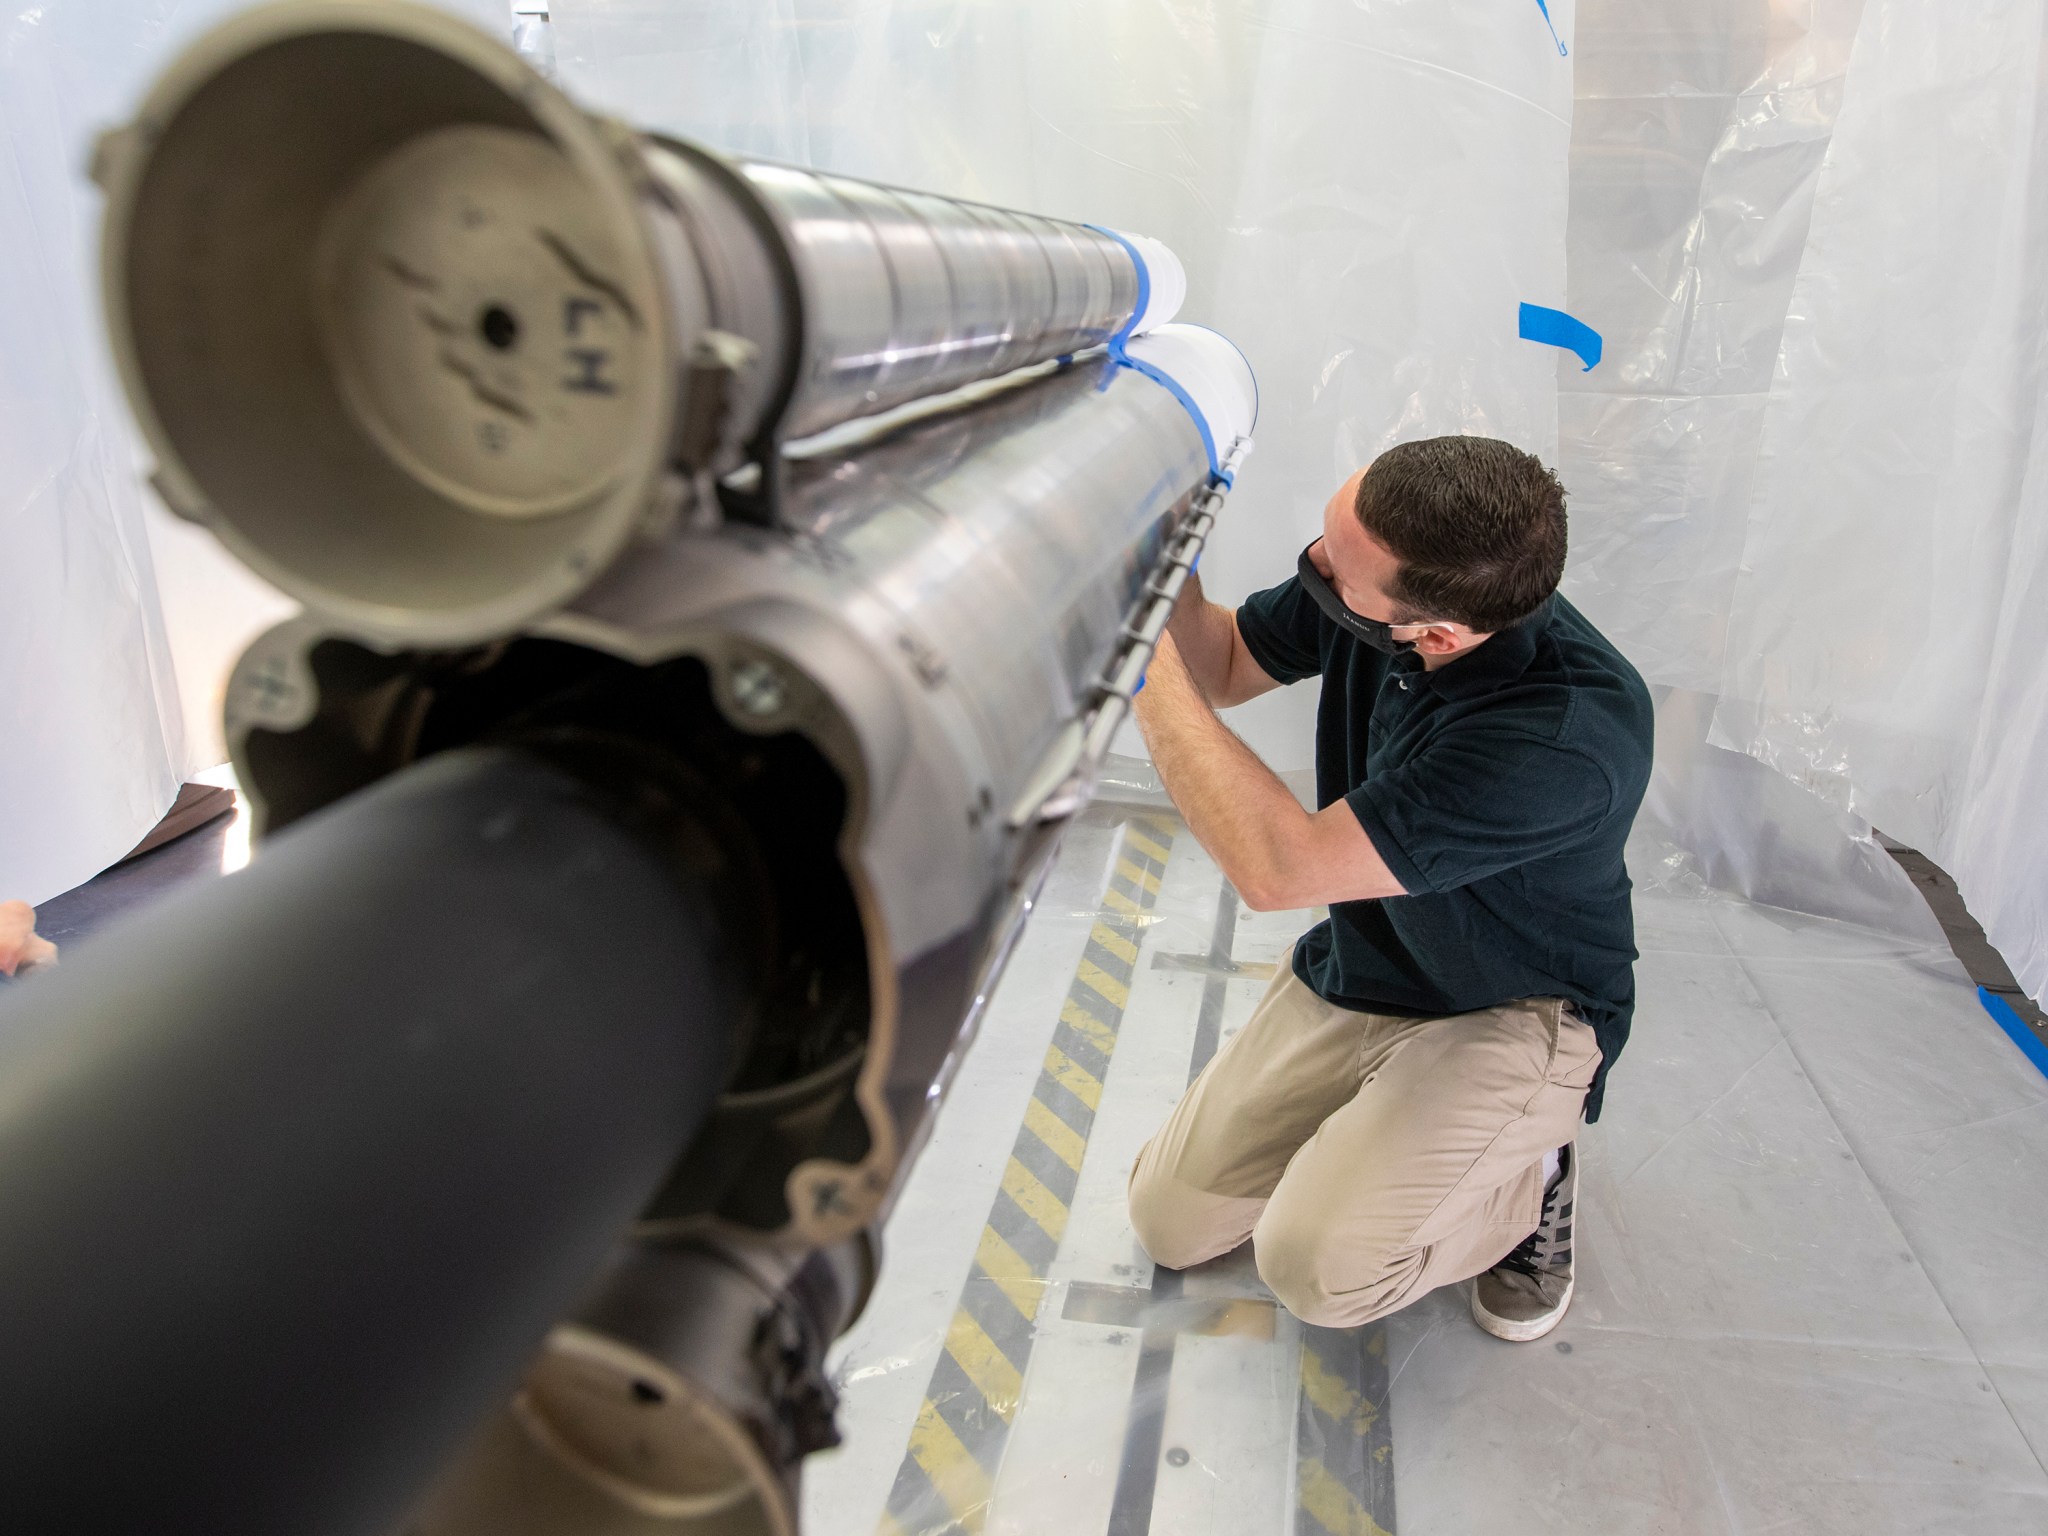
{"x":22,"y":949}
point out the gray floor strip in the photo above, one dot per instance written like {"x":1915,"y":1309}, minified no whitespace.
{"x":1137,"y":1478}
{"x":1344,"y":1445}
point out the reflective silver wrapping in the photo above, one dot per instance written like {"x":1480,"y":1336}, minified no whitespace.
{"x":907,"y":294}
{"x":894,"y":295}
{"x":960,"y":588}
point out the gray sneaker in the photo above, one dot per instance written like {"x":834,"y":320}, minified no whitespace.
{"x":1524,"y":1296}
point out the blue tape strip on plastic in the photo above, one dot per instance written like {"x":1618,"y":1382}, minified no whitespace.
{"x":1562,"y":51}
{"x":1116,"y":342}
{"x":2002,"y":1012}
{"x":1555,"y":328}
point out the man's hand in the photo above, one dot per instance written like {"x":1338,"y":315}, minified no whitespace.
{"x":21,"y":950}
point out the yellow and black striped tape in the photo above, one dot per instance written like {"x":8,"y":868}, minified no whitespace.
{"x":1344,"y":1464}
{"x":956,"y":1445}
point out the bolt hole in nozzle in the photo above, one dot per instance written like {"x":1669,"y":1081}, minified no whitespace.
{"x":499,"y":326}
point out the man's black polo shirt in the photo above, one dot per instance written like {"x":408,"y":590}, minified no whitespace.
{"x":1499,"y":789}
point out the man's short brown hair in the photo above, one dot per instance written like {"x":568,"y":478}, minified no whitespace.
{"x":1477,"y":524}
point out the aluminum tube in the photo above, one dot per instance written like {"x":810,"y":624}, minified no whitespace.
{"x":906,"y":294}
{"x":296,"y":1172}
{"x":1011,"y":540}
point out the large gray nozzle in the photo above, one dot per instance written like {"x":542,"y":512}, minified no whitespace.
{"x":680,"y":1402}
{"x":297,"y":1172}
{"x":388,"y":317}
{"x":427,"y":345}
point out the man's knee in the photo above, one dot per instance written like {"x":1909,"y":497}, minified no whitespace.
{"x":1327,"y":1278}
{"x":1179,"y":1225}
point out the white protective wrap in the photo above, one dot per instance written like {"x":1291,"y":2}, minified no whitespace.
{"x":1166,"y":282}
{"x":1211,"y":374}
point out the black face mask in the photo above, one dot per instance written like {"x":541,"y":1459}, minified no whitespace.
{"x":1374,"y":632}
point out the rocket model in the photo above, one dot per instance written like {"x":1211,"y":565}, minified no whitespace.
{"x":720,"y":582}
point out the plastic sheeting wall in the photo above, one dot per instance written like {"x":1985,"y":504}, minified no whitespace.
{"x":1699,"y":132}
{"x":1904,"y":443}
{"x":1807,"y":483}
{"x":93,"y":746}
{"x":1363,"y":194}
{"x":117,"y":623}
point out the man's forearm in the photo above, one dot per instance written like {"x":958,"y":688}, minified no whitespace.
{"x":1234,"y":804}
{"x":1276,"y":854}
{"x":1206,"y":635}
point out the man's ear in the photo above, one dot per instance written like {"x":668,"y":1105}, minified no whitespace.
{"x":1436,"y":641}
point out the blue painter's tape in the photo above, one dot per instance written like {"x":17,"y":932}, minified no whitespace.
{"x":1116,"y":342}
{"x":2029,"y":1042}
{"x":1562,"y":51}
{"x":1555,"y":328}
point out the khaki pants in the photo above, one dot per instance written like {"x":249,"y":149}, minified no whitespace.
{"x":1370,"y":1158}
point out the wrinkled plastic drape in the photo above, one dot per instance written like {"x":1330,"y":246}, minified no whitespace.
{"x":91,"y":742}
{"x":1887,"y":636}
{"x":1363,"y":195}
{"x":1699,"y":132}
{"x":117,"y":623}
{"x":1807,"y":487}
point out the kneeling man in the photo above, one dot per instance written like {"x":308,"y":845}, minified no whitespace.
{"x":1398,"y":1113}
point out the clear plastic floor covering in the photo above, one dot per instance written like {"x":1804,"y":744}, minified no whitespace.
{"x":1813,"y":1291}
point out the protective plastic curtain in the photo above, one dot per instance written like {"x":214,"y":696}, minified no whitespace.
{"x":1886,"y":637}
{"x":91,"y":743}
{"x":1699,"y":133}
{"x":1363,"y":194}
{"x":1807,"y":482}
{"x":117,"y":623}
